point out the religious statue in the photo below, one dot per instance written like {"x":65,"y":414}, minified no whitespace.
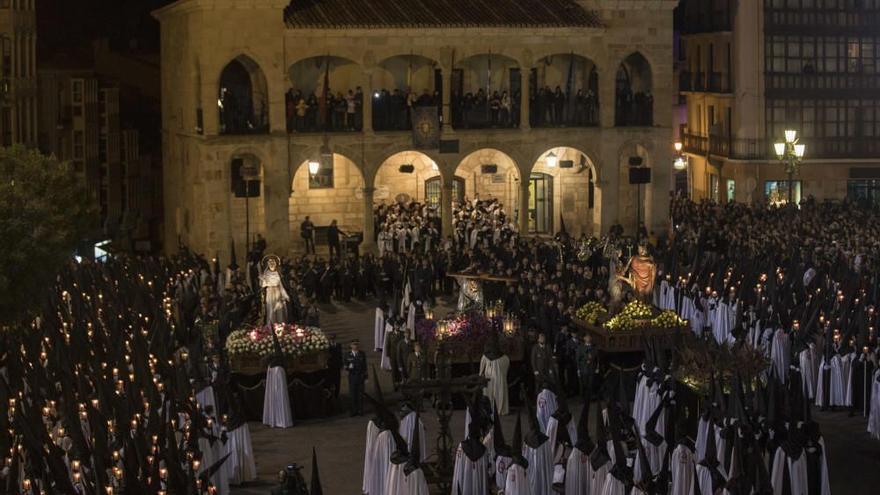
{"x":470,"y":296}
{"x":639,"y":274}
{"x":275,"y":298}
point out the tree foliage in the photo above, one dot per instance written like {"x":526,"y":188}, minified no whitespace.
{"x":45,"y":212}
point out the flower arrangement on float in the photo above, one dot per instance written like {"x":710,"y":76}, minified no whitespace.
{"x":636,"y":315}
{"x":294,"y":340}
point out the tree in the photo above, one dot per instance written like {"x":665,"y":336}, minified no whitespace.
{"x":45,"y":212}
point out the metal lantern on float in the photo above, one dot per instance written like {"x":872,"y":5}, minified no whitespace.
{"x":509,"y":325}
{"x":429,"y":313}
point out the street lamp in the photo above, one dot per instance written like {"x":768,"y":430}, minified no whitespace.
{"x":314,"y":166}
{"x":790,"y":153}
{"x":551,"y":160}
{"x":250,"y":172}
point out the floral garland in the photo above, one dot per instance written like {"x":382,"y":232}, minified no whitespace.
{"x":637,"y":315}
{"x":294,"y":341}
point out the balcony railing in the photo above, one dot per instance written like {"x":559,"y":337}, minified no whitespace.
{"x":822,"y":82}
{"x":685,"y":81}
{"x":699,"y":81}
{"x":761,"y":149}
{"x":718,"y":82}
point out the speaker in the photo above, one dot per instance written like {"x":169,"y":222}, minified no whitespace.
{"x":407,"y":169}
{"x":489,"y":169}
{"x":566,"y":164}
{"x":639,"y":175}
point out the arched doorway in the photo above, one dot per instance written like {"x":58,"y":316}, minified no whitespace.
{"x":486,"y":92}
{"x":565,"y":180}
{"x":403,"y":177}
{"x":243,"y":98}
{"x":491,"y":174}
{"x":401,"y":83}
{"x":634,"y":102}
{"x":310,"y":110}
{"x":246,"y":200}
{"x":564,"y":92}
{"x":335,"y":191}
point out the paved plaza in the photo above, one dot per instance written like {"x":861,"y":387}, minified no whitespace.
{"x":854,"y":459}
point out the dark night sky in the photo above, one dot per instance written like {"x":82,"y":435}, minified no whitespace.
{"x":71,"y":25}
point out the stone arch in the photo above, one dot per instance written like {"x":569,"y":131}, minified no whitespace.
{"x":574,"y":76}
{"x":480,"y":181}
{"x":307,"y":74}
{"x":476,"y":81}
{"x":633,"y":98}
{"x":342,"y":200}
{"x":576,"y":189}
{"x":394,"y":79}
{"x":391,"y":182}
{"x":243,"y":97}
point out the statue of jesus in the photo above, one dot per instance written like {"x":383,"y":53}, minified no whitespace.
{"x":275,"y":297}
{"x":639,"y":274}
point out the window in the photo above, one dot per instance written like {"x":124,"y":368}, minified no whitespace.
{"x":323,"y":179}
{"x":776,"y":192}
{"x":714,"y":193}
{"x":76,"y":91}
{"x":864,"y":191}
{"x":433,"y":190}
{"x":78,"y":145}
{"x":731,"y":190}
{"x":541,"y":204}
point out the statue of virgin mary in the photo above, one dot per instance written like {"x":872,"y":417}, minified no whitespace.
{"x":274,"y":296}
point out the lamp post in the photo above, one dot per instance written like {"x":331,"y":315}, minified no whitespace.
{"x":249,"y":173}
{"x":790,"y":153}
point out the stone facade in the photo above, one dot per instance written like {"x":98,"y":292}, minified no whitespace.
{"x":200,"y":37}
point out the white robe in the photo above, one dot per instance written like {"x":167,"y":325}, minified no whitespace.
{"x":821,"y":392}
{"x":540,"y":467}
{"x":413,"y":484}
{"x":386,"y":351}
{"x":394,"y":481}
{"x":546,"y":406}
{"x":411,"y":321}
{"x":797,"y":470}
{"x":276,"y":402}
{"x":517,"y":482}
{"x":780,"y":355}
{"x":496,"y":389}
{"x":372,"y":433}
{"x":379,"y":330}
{"x":613,"y":486}
{"x":501,"y":467}
{"x":405,"y":430}
{"x":841,"y":380}
{"x":471,"y":476}
{"x":704,"y":478}
{"x":805,"y":359}
{"x":380,"y":466}
{"x":205,"y":397}
{"x":578,"y":473}
{"x":240,"y":465}
{"x":681,"y":465}
{"x":874,"y":415}
{"x":553,"y":431}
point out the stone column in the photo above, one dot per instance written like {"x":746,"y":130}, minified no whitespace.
{"x":524,"y":110}
{"x":446,"y":208}
{"x":276,"y":188}
{"x":369,"y":244}
{"x":524,"y":207}
{"x":446,"y":75}
{"x":368,"y":103}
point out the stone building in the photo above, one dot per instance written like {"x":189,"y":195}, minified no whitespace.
{"x":233,"y":70}
{"x":755,"y":69}
{"x":18,"y":73}
{"x":81,"y":121}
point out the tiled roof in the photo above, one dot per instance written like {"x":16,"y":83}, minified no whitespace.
{"x":337,"y":14}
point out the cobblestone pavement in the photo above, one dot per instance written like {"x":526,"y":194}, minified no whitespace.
{"x":854,"y":459}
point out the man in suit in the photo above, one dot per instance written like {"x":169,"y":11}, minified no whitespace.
{"x":334,"y":364}
{"x":586,"y":367}
{"x":356,"y":364}
{"x":333,"y":234}
{"x":417,"y":364}
{"x":542,"y":362}
{"x":307,"y":231}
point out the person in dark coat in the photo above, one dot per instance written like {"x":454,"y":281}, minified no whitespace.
{"x":356,"y":365}
{"x":333,"y":239}
{"x":417,"y":364}
{"x":334,"y":364}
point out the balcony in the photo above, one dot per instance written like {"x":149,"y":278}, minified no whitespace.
{"x":783,"y":83}
{"x":733,"y":148}
{"x":685,"y":81}
{"x":718,"y":82}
